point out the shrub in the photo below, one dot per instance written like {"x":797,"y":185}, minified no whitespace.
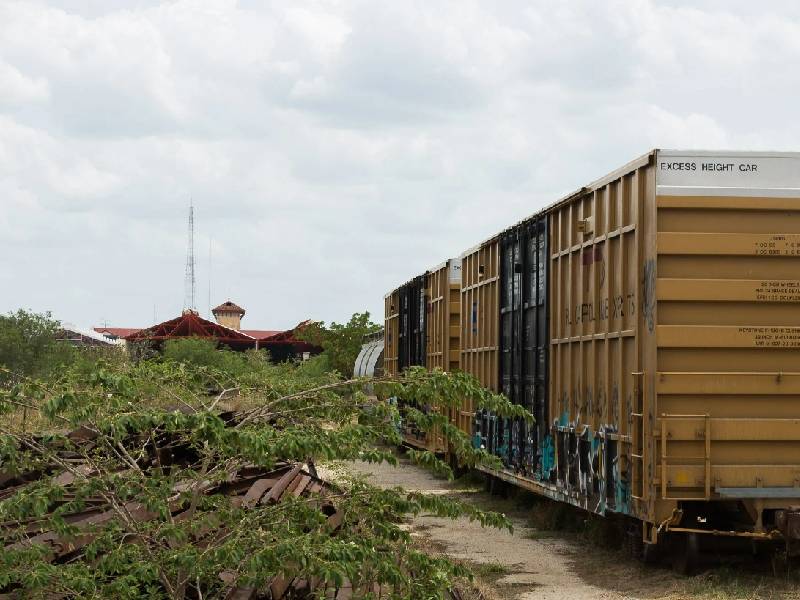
{"x":341,"y":343}
{"x":149,"y":457}
{"x":28,"y":345}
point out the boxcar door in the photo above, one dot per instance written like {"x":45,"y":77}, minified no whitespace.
{"x":505,"y":444}
{"x":413,"y":317}
{"x":534,"y":340}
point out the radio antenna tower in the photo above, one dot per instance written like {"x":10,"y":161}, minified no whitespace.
{"x":189,"y":282}
{"x":209,"y":279}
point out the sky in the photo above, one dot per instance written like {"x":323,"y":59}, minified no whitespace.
{"x":333,"y":149}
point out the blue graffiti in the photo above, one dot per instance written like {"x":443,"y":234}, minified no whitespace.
{"x":477,"y":441}
{"x":622,"y":494}
{"x":502,"y":450}
{"x":475,"y":317}
{"x":548,"y":458}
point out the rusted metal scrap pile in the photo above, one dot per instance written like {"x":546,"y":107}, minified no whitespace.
{"x":247,"y":487}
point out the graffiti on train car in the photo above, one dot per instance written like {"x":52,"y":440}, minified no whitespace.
{"x":587,"y":467}
{"x":590,"y":468}
{"x":649,"y":294}
{"x":619,"y":306}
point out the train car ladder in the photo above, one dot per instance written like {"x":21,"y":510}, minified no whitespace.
{"x":639,"y":438}
{"x":705,"y":459}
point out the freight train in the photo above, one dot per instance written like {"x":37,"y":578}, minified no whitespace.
{"x":650,"y":321}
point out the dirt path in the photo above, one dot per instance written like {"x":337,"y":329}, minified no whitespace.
{"x":533,"y":564}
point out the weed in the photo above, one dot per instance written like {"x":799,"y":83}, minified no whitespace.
{"x":490,"y":570}
{"x":539,"y":534}
{"x":727,"y":583}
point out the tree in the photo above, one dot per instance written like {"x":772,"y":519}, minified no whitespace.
{"x":28,"y":344}
{"x":341,"y":343}
{"x":152,"y":456}
{"x":200,"y":352}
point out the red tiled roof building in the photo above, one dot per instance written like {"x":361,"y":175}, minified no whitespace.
{"x":190,"y":324}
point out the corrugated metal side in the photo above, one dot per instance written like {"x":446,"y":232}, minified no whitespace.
{"x":391,"y":337}
{"x":479,"y":320}
{"x":412,"y":332}
{"x":726,"y":310}
{"x":596,"y":244}
{"x":444,"y":314}
{"x":442,"y":294}
{"x":524,"y":341}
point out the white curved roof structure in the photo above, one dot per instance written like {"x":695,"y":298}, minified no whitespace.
{"x":370,"y":357}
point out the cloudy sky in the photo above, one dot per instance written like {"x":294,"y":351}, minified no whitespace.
{"x":333,"y":148}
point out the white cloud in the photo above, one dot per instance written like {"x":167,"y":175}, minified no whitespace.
{"x":334,"y":147}
{"x":16,"y":89}
{"x":323,"y":32}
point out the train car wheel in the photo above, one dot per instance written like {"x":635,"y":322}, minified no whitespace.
{"x":686,"y":554}
{"x":455,"y":466}
{"x":651,"y":553}
{"x":780,"y":562}
{"x":633,"y":541}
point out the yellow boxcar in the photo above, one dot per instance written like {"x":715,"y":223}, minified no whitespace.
{"x":665,"y":368}
{"x":391,"y":332}
{"x":443,"y":337}
{"x":424,"y":314}
{"x":674,"y":367}
{"x":479,"y":322}
{"x":479,"y":314}
{"x":443,"y":340}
